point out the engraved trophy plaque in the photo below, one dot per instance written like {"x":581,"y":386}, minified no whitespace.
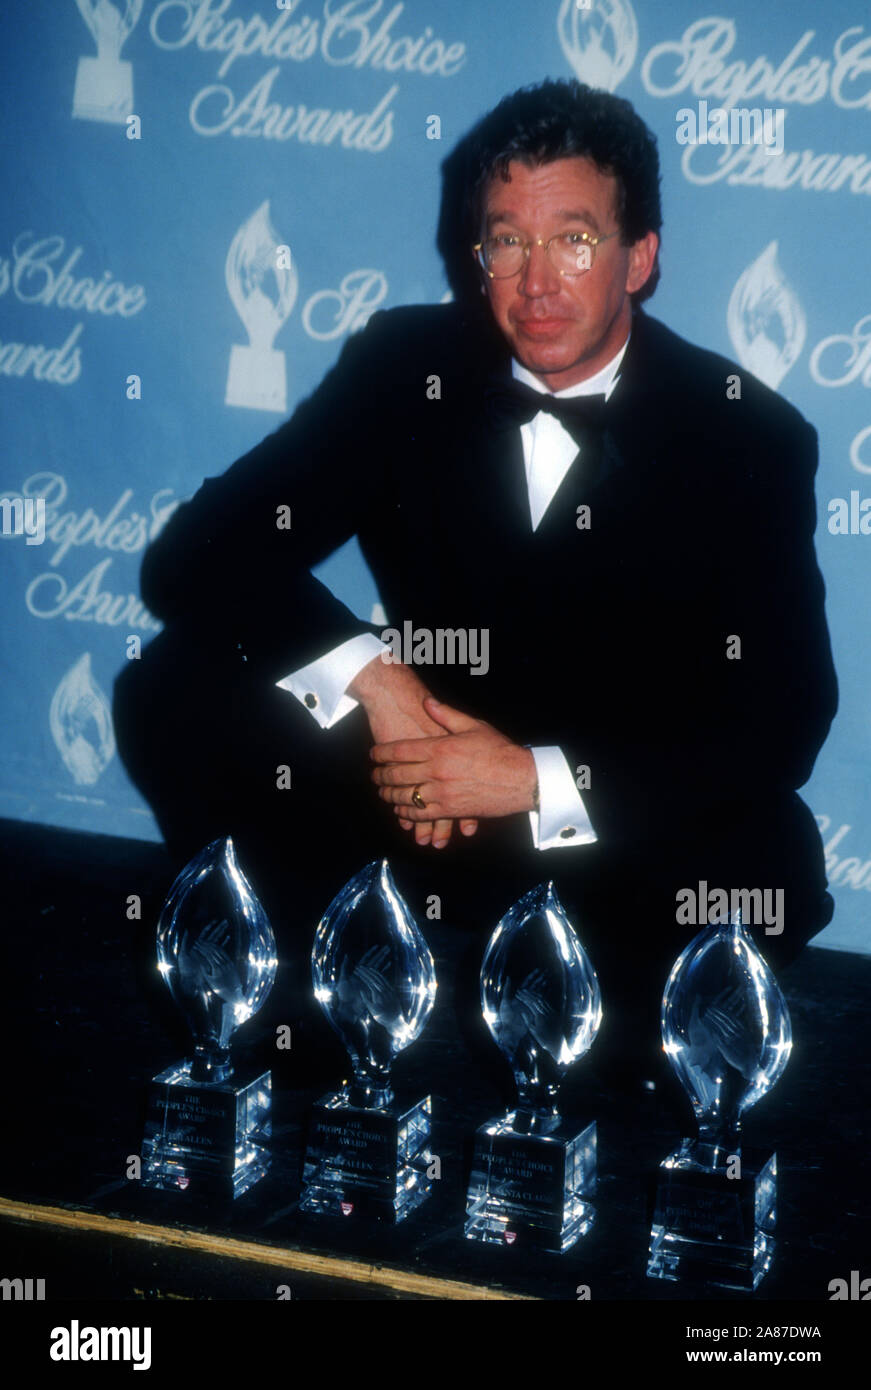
{"x":533,"y":1175}
{"x":726,"y":1032}
{"x":368,"y":1152}
{"x":207,"y":1128}
{"x":104,"y":85}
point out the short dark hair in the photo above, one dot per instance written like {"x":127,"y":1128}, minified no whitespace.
{"x":537,"y":124}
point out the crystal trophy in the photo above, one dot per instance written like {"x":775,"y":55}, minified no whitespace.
{"x":533,"y":1175}
{"x":368,"y":1152}
{"x":726,"y":1032}
{"x":207,"y":1128}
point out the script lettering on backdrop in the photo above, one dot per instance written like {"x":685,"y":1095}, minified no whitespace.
{"x":840,"y":360}
{"x":701,"y":62}
{"x":39,"y":272}
{"x":850,"y":871}
{"x":104,"y":85}
{"x":347,"y":33}
{"x":765,"y":319}
{"x":600,"y":41}
{"x":263,"y":291}
{"x":122,"y":528}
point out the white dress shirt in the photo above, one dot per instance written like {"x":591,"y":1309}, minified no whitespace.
{"x":548,"y":453}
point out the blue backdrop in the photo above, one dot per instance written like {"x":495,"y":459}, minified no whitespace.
{"x":156,"y":153}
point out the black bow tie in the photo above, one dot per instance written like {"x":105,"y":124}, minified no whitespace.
{"x":512,"y":403}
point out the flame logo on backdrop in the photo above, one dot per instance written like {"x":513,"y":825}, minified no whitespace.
{"x":263,"y":293}
{"x":765,"y":319}
{"x":104,"y":85}
{"x":81,"y":723}
{"x":599,"y":39}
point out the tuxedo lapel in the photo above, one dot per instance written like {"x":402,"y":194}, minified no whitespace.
{"x":596,"y":463}
{"x":607,"y":473}
{"x":635,"y":404}
{"x":490,"y":461}
{"x":494,"y":478}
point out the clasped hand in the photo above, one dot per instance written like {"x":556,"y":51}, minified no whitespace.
{"x":463,"y":768}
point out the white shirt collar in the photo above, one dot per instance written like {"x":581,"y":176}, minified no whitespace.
{"x":604,"y":381}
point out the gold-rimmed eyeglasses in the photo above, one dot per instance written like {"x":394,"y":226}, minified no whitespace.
{"x":570,"y":253}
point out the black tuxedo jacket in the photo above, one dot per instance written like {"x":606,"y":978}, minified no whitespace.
{"x":612,"y":642}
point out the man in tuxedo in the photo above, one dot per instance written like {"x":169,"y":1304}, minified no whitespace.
{"x":549,"y":475}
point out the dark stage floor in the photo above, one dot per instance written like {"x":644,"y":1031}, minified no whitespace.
{"x":91,"y":1023}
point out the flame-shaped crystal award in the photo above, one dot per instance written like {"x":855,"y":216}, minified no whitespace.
{"x":80,"y":719}
{"x":208,"y":1129}
{"x":765,"y":319}
{"x":262,"y":285}
{"x":600,"y":40}
{"x":533,"y":1175}
{"x":373,"y":974}
{"x":726,"y":1032}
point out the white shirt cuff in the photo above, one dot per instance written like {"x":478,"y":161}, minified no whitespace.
{"x":321,"y":685}
{"x":562,"y":820}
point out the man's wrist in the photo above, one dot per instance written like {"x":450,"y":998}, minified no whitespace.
{"x":379,"y":677}
{"x":369,"y":679}
{"x":531,"y":791}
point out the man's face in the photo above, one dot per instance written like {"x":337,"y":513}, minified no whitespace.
{"x":563,"y":328}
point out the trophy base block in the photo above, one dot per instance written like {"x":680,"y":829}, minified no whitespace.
{"x":257,"y":379}
{"x":209,"y":1140}
{"x":531,"y":1190}
{"x":711,"y":1228}
{"x":103,"y":90}
{"x":369,"y":1163}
